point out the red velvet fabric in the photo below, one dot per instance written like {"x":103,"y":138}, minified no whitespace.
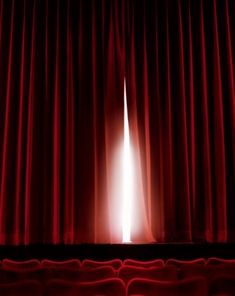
{"x":223,"y":285}
{"x":109,"y":287}
{"x":210,"y":272}
{"x":62,"y":68}
{"x":83,"y":275}
{"x":216,"y":261}
{"x":21,"y":265}
{"x":140,"y":263}
{"x":166,"y":273}
{"x":114,"y":263}
{"x":61,"y":96}
{"x":22,"y":288}
{"x":12,"y":275}
{"x":180,"y":263}
{"x":69,"y":263}
{"x":195,"y":286}
{"x":180,"y":79}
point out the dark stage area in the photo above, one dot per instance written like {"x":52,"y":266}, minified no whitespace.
{"x":186,"y":251}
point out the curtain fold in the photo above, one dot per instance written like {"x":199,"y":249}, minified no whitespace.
{"x":62,"y":71}
{"x":61,"y":95}
{"x":181,"y":103}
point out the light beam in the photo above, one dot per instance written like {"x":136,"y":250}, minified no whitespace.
{"x":127,"y":177}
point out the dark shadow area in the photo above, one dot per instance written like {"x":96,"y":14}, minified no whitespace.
{"x":110,"y":251}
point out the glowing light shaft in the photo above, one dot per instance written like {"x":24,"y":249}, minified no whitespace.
{"x":127,"y":177}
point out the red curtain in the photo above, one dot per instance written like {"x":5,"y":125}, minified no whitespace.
{"x":62,"y":67}
{"x":180,"y":69}
{"x":61,"y":96}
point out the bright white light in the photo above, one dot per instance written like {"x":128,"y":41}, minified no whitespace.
{"x":127,"y":178}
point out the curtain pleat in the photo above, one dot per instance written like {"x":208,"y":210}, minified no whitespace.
{"x":61,"y":95}
{"x":6,"y":127}
{"x":180,"y":81}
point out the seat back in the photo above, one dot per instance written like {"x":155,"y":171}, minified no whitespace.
{"x":115,"y":263}
{"x":215,"y":261}
{"x":179,"y":263}
{"x":11,"y":276}
{"x":26,"y":264}
{"x":60,"y":287}
{"x":83,"y":275}
{"x":22,"y":288}
{"x":72,"y":263}
{"x":166,"y":273}
{"x":149,"y":263}
{"x":188,"y":287}
{"x":223,"y":285}
{"x":208,"y":271}
{"x":108,"y":287}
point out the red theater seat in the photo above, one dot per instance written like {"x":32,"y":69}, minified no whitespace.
{"x":138,"y":263}
{"x":23,"y":288}
{"x":10,"y":275}
{"x":189,"y":287}
{"x":167,"y":273}
{"x":215,"y":261}
{"x":83,"y":275}
{"x":210,"y":272}
{"x":179,"y":263}
{"x":224,"y":285}
{"x":115,"y":263}
{"x":108,"y":287}
{"x":73,"y":263}
{"x":33,"y":263}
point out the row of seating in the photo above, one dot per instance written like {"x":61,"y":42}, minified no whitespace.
{"x":196,"y":286}
{"x":125,"y":273}
{"x":174,"y":277}
{"x":115,"y":263}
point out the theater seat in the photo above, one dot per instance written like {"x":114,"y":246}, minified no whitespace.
{"x":149,"y":263}
{"x":189,"y":287}
{"x":108,"y":287}
{"x":215,"y":261}
{"x":33,"y":263}
{"x":115,"y":263}
{"x":167,"y":273}
{"x":179,"y":263}
{"x":210,"y":272}
{"x":23,"y":288}
{"x":15,"y":275}
{"x":224,"y":285}
{"x":83,"y":275}
{"x":72,"y":263}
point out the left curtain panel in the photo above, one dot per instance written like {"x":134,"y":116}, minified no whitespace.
{"x":61,"y":108}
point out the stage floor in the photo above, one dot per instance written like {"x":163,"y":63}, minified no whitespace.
{"x":122,"y":251}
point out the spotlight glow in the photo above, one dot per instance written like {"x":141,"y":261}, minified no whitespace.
{"x":127,"y":178}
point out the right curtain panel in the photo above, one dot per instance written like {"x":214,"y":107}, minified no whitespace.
{"x":180,"y":71}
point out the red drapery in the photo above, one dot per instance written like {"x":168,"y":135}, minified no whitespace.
{"x":62,"y":67}
{"x":61,"y":114}
{"x":180,"y":67}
